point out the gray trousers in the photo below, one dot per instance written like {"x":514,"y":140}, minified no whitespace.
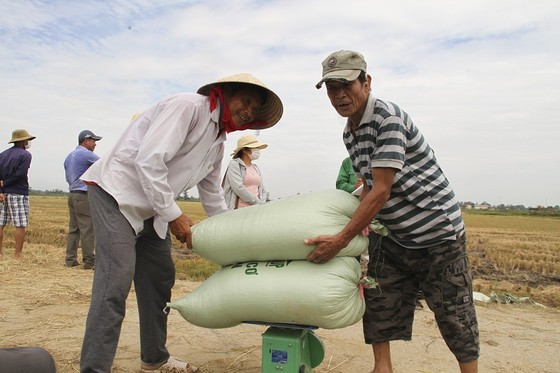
{"x":123,"y":256}
{"x":80,"y":226}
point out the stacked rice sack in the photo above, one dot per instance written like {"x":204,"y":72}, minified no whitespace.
{"x":265,"y":276}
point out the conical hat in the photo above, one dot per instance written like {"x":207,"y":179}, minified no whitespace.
{"x":270,"y":112}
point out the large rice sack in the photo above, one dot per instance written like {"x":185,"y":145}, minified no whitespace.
{"x":291,"y":292}
{"x":276,"y":230}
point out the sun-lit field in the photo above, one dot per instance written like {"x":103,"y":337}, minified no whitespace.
{"x":48,"y":227}
{"x":517,"y":242}
{"x":44,"y":303}
{"x":515,"y":254}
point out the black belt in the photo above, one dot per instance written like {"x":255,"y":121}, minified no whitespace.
{"x":78,"y":191}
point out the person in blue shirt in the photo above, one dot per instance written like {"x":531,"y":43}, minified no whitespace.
{"x":14,"y":187}
{"x":80,"y":225}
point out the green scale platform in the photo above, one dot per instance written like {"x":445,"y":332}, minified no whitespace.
{"x":291,"y":349}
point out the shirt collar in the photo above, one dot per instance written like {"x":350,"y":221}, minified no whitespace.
{"x":368,"y":113}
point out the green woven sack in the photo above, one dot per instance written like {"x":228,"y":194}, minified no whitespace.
{"x":276,"y":230}
{"x":291,"y":292}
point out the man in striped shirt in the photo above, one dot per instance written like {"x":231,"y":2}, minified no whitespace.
{"x":406,"y":190}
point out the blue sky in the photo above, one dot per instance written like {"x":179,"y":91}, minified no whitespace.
{"x":480,"y":79}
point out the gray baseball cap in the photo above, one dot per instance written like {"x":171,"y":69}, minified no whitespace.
{"x":342,"y":65}
{"x":87,"y":134}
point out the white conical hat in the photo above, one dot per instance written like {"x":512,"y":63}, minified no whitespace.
{"x":270,"y":112}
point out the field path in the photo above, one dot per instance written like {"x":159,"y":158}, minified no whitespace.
{"x":45,"y":304}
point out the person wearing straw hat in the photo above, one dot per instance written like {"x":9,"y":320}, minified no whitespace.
{"x":14,"y":187}
{"x":171,"y":147}
{"x":243,"y":184}
{"x":405,"y":189}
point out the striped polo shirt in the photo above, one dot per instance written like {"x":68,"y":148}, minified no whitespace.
{"x":422,"y":210}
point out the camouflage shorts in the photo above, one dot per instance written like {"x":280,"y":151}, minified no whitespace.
{"x":442,"y":273}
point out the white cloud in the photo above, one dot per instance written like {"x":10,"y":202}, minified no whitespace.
{"x":479,"y":78}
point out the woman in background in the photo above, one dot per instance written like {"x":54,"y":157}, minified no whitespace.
{"x":347,"y":179}
{"x":243,"y":185}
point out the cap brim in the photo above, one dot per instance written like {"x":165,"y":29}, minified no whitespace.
{"x":96,"y":138}
{"x":346,"y":75}
{"x":269,"y":113}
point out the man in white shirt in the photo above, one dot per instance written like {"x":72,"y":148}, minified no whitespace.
{"x":173,"y":146}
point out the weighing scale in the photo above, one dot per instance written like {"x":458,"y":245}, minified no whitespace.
{"x":290,"y":348}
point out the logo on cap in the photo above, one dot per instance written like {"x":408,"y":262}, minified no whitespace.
{"x":332,"y":62}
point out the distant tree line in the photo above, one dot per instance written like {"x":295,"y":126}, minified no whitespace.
{"x":53,"y":192}
{"x":503,"y":209}
{"x":483,"y":207}
{"x":57,"y":192}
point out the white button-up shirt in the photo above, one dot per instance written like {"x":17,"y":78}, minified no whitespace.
{"x":168,"y":149}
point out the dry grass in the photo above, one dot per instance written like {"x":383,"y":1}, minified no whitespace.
{"x":45,"y":303}
{"x":517,"y":254}
{"x":48,"y":227}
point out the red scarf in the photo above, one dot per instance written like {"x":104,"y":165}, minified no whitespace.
{"x":215,"y":95}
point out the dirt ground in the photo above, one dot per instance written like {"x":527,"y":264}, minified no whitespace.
{"x":45,"y":304}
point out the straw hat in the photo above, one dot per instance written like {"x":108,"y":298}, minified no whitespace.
{"x":20,"y":135}
{"x":248,"y":141}
{"x":270,"y":112}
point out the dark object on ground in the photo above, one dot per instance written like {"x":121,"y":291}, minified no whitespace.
{"x":26,"y":360}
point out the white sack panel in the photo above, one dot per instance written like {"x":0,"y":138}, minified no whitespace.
{"x":291,"y":292}
{"x":276,"y":230}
